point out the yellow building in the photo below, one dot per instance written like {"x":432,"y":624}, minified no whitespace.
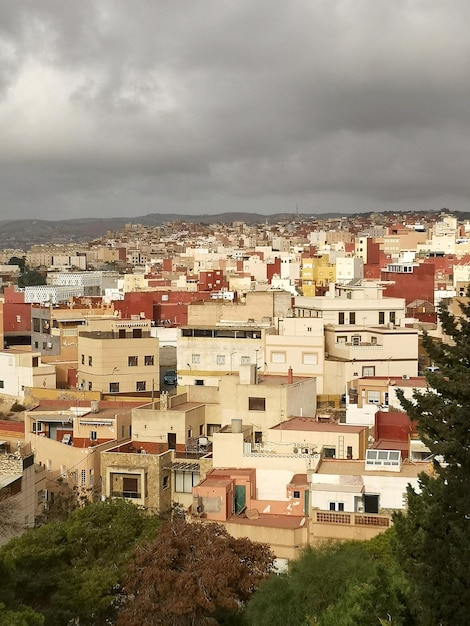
{"x":316,"y":272}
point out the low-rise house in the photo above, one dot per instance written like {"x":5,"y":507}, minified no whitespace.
{"x":22,"y":490}
{"x":355,"y":499}
{"x":20,"y":368}
{"x":68,"y":440}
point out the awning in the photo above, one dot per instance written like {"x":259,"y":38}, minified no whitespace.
{"x":416,"y":445}
{"x":183,"y":467}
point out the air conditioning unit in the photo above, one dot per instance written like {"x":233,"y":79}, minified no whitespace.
{"x":360,"y":507}
{"x":405,"y":377}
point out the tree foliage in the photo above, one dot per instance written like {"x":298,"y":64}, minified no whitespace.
{"x":20,"y":261}
{"x":72,"y":570}
{"x":347,"y":584}
{"x":433,"y":538}
{"x":189,"y":573}
{"x":31,"y":278}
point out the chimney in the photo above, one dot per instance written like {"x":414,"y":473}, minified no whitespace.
{"x":290,"y":376}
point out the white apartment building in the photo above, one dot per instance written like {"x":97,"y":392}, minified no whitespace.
{"x":207,"y":352}
{"x":362,"y":305}
{"x":51,"y":294}
{"x":349,"y":269}
{"x":20,"y":369}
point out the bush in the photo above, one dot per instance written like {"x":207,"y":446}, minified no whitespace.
{"x":17,"y":407}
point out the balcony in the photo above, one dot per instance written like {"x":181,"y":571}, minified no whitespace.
{"x":355,"y":519}
{"x":126,"y":494}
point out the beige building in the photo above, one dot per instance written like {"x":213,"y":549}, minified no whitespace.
{"x":355,"y":352}
{"x":298,"y":344}
{"x":68,"y":441}
{"x":23,"y":486}
{"x":118,"y":356}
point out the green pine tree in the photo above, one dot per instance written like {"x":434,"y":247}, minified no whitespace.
{"x":433,"y":538}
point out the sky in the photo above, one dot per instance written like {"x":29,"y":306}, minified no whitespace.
{"x":121,"y":108}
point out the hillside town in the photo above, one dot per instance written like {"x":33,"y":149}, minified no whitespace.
{"x":247,"y":373}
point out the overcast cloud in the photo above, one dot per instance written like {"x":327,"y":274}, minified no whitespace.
{"x":129,"y":107}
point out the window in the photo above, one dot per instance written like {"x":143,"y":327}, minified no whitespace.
{"x":309,"y":358}
{"x":296,"y":495}
{"x":381,"y":317}
{"x":166,"y":482}
{"x":137,"y":333}
{"x":349,"y":452}
{"x":278,"y":357}
{"x":245,"y":360}
{"x":130,"y":488}
{"x":113,"y":387}
{"x":199,"y":381}
{"x":35,"y":361}
{"x":256,"y":404}
{"x":258,"y":436}
{"x":341,"y":317}
{"x":329,"y":452}
{"x":220,"y":359}
{"x":83,"y":359}
{"x":384,"y":458}
{"x":36,"y":325}
{"x":91,"y":478}
{"x":90,"y":360}
{"x":373,"y":397}
{"x":132,"y":361}
{"x":140,"y":385}
{"x":90,"y":386}
{"x":196,"y":358}
{"x":356,"y":340}
{"x":336,"y":506}
{"x":212,"y":428}
{"x":83,"y":477}
{"x":149,"y":359}
{"x":392,"y":317}
{"x":185,"y":481}
{"x":122,"y":333}
{"x":352,"y":317}
{"x":368,"y":370}
{"x":341,"y":339}
{"x":2,"y":384}
{"x":373,"y":341}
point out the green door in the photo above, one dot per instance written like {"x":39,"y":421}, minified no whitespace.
{"x":306,"y":494}
{"x":240,"y":498}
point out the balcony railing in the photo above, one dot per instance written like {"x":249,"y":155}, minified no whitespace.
{"x":356,"y":519}
{"x":126,"y":494}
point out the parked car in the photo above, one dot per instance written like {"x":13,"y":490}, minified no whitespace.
{"x":170,"y":377}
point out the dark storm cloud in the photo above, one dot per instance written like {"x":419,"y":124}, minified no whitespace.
{"x":125,"y":108}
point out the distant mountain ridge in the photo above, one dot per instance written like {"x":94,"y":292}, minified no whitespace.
{"x":26,"y":232}
{"x":23,"y":233}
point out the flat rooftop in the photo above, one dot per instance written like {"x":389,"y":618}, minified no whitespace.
{"x":312,"y":425}
{"x":353,"y":468}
